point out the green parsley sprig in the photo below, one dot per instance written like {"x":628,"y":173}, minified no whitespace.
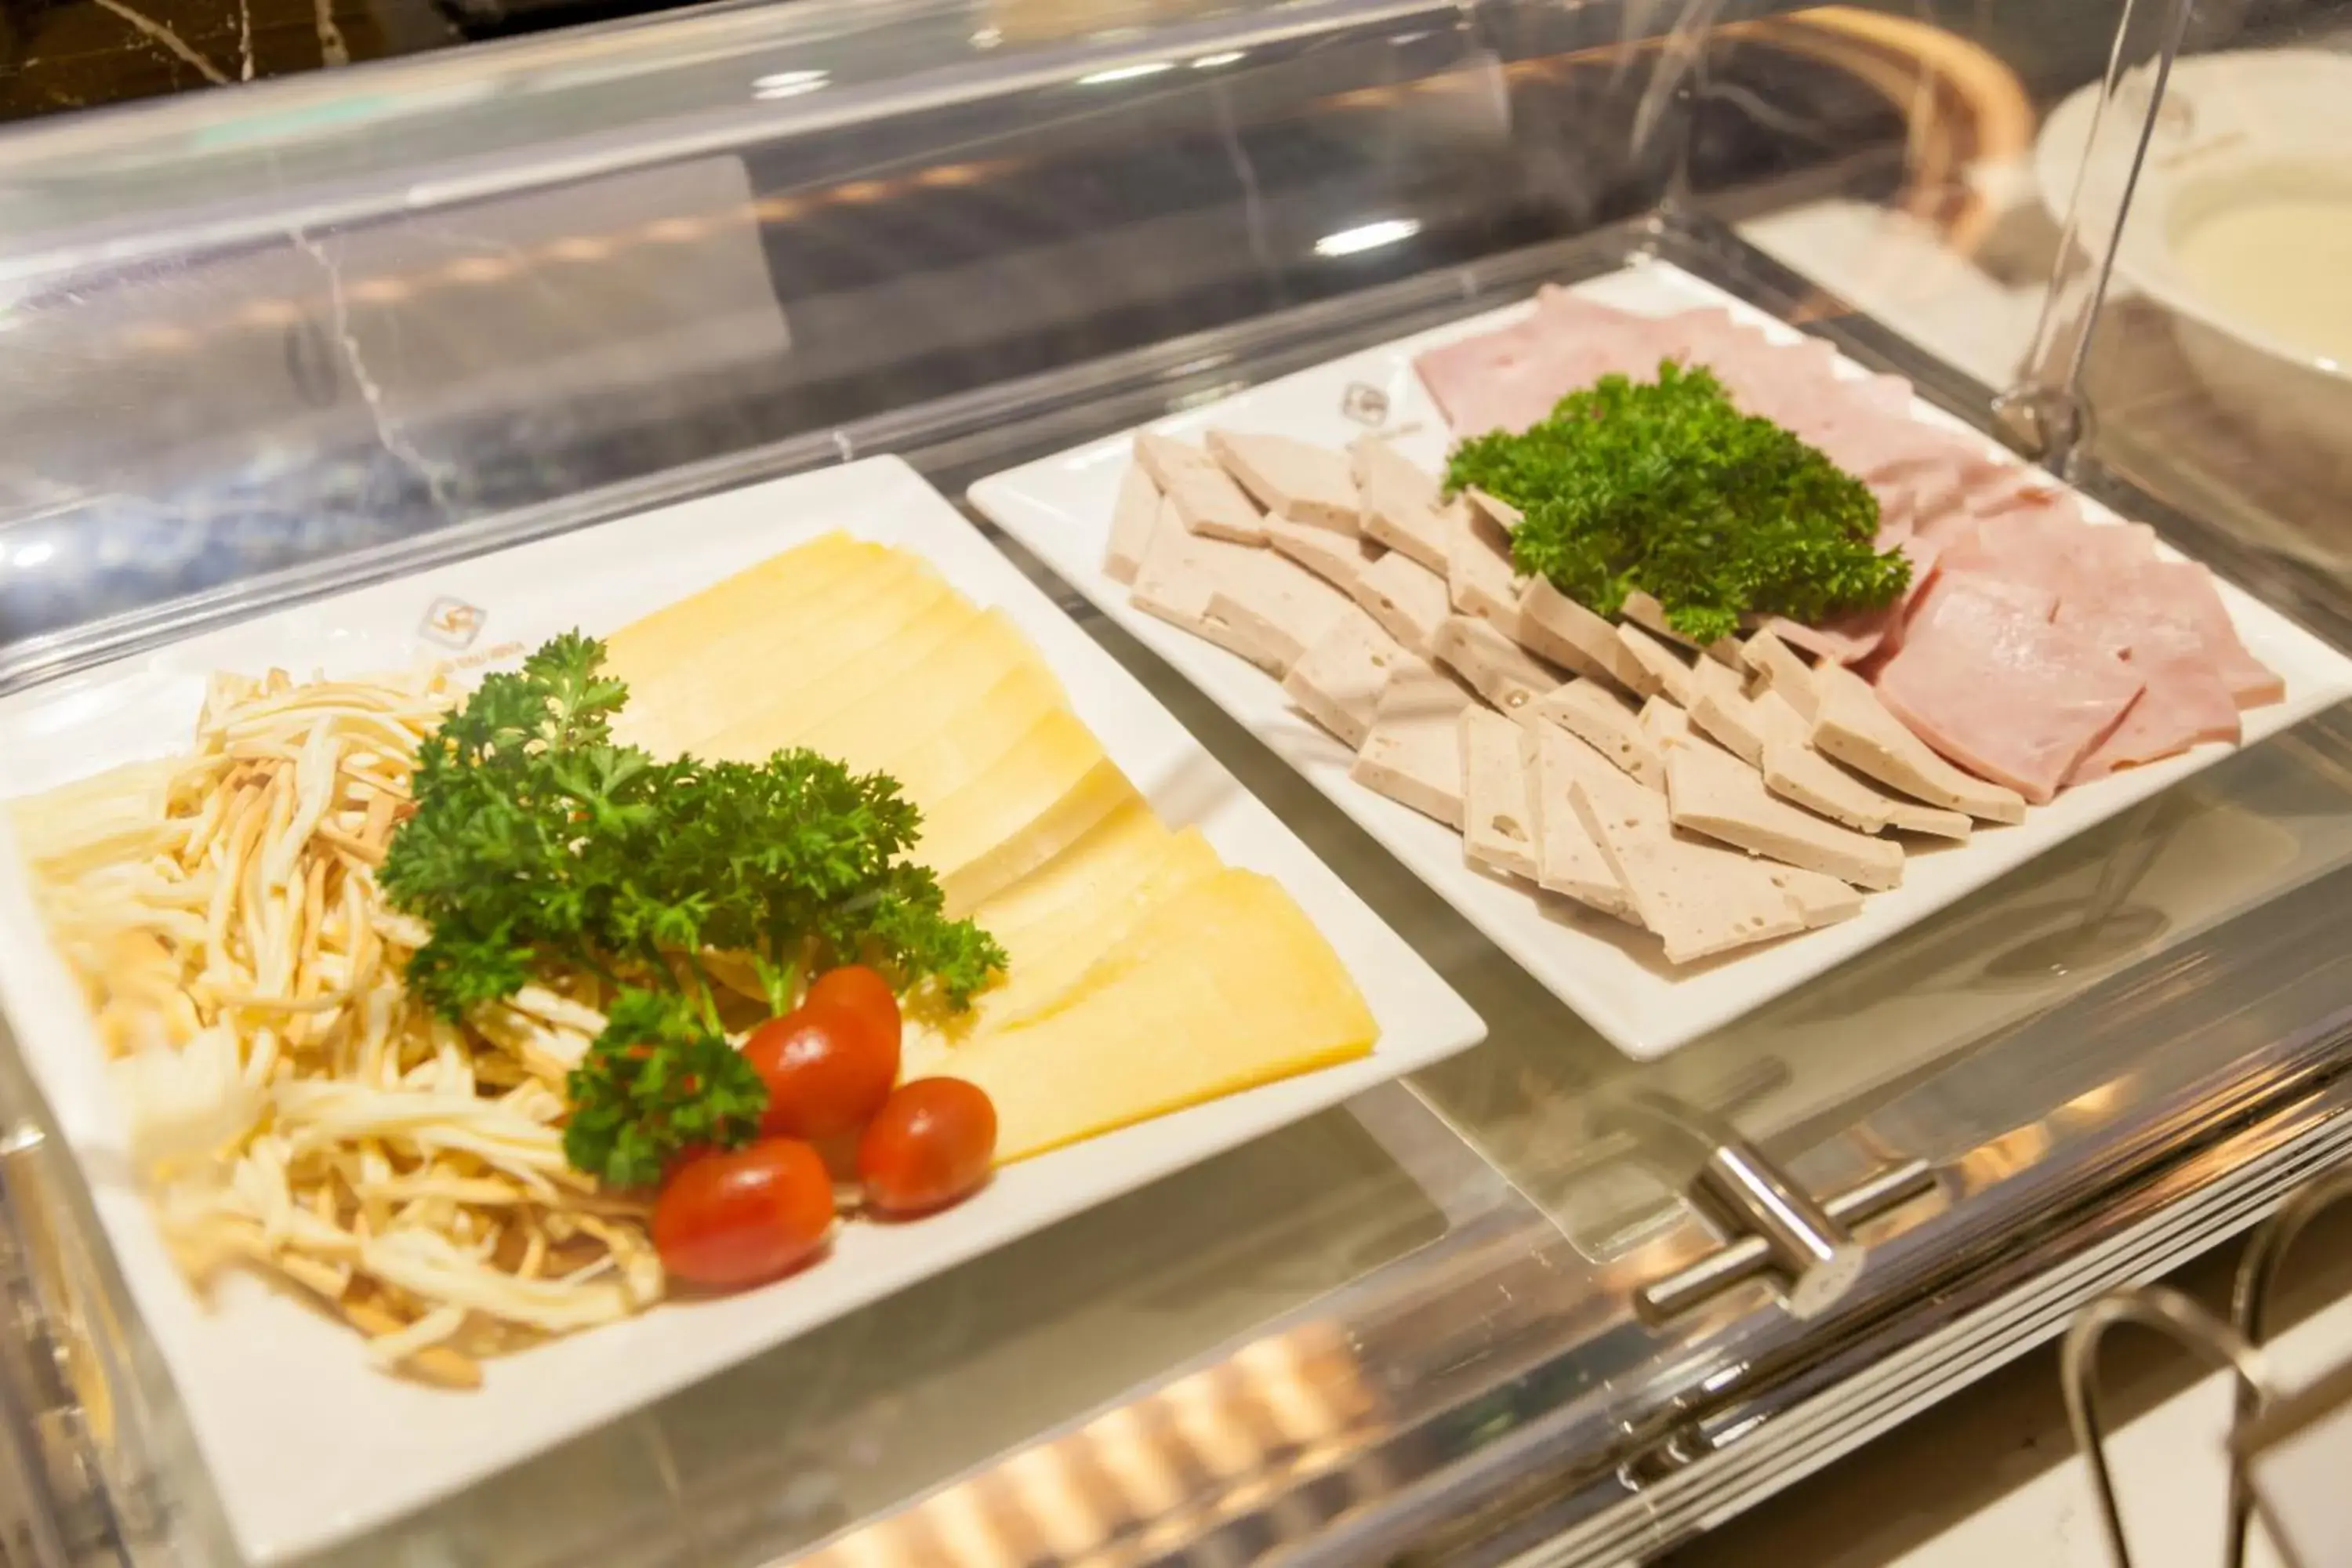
{"x":1667,"y":487}
{"x":538,"y":842}
{"x":658,"y":1081}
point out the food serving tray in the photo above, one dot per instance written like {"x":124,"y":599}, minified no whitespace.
{"x":1060,"y":507}
{"x":306,"y":1443}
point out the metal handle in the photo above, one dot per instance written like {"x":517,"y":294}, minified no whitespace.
{"x":2179,"y":1318}
{"x":1819,"y":1259}
{"x":1771,"y":1225}
{"x":2235,"y":1345}
{"x":2250,"y":1297}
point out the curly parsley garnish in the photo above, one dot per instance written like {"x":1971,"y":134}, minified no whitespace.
{"x":1665,"y":487}
{"x":658,"y":1081}
{"x":537,"y":841}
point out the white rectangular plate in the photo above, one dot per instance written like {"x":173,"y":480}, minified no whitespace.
{"x":306,"y":1444}
{"x":1060,"y":507}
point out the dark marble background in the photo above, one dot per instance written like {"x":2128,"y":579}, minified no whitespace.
{"x":59,"y":55}
{"x":73,"y":54}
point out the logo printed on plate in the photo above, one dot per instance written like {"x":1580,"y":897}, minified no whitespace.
{"x":452,"y":623}
{"x":1364,"y":403}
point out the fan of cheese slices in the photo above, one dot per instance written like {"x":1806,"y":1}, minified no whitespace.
{"x":1143,"y":975}
{"x":1716,"y":797}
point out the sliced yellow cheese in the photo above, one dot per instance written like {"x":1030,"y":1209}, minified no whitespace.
{"x":1035,"y":800}
{"x":1120,"y":850}
{"x":868,"y":666}
{"x":796,"y":578}
{"x":1102,"y":791}
{"x":799,"y":588}
{"x":1063,"y":960}
{"x":1239,"y":990}
{"x":776,"y":696}
{"x":681,"y":696}
{"x":925,"y":698}
{"x":862,"y":711}
{"x":1104,"y":866}
{"x":958,"y":752}
{"x":1143,"y":938}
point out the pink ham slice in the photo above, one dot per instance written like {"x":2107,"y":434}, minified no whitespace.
{"x":2024,"y":489}
{"x":2035,"y":603}
{"x":1887,"y":394}
{"x":1761,"y":375}
{"x":1971,"y":522}
{"x":2139,"y":618}
{"x":1947,"y":503}
{"x":1899,"y":518}
{"x":1850,"y":639}
{"x":2031,"y":600}
{"x":1497,"y":381}
{"x":2251,"y":683}
{"x":2050,"y":546}
{"x":1866,"y":439}
{"x":2002,"y":693}
{"x":2042,"y":539}
{"x":1509,"y":378}
{"x":2093,"y":564}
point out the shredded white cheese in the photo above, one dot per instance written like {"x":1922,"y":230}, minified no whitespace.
{"x":293,"y":1107}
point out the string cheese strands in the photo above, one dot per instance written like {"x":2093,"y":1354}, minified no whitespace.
{"x":296,"y":1110}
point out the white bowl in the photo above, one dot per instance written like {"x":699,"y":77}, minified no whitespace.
{"x":2252,"y":368}
{"x":2235,"y":128}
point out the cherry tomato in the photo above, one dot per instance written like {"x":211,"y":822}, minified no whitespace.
{"x":827,"y":1070}
{"x":744,"y":1217}
{"x":861,"y":991}
{"x":930,"y":1144}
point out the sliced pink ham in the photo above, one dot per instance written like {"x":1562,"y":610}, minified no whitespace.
{"x":1949,"y":500}
{"x":2167,"y":622}
{"x":1898,"y":517}
{"x":2192,"y":593}
{"x":1888,"y":394}
{"x":1761,"y":375}
{"x":2137,"y":620}
{"x":2031,"y":600}
{"x":1503,"y":380}
{"x":2050,"y":546}
{"x":1873,"y":444}
{"x":2097,"y":565}
{"x":2002,"y":693}
{"x":1851,"y":638}
{"x":2022,"y":489}
{"x":1509,"y":378}
{"x":1946,"y":521}
{"x":2016,"y":653}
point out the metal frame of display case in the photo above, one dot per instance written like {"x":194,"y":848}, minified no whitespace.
{"x":1510,"y":1391}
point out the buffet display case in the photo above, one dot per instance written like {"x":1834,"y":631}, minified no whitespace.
{"x":1542,"y":1302}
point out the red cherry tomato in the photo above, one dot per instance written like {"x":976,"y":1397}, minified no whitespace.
{"x":930,"y":1144}
{"x":744,"y":1217}
{"x":826,"y":1068}
{"x":858,"y":990}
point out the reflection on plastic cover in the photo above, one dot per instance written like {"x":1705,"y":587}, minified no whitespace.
{"x":1216,"y":1440}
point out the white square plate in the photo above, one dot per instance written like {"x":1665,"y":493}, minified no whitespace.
{"x":1615,"y":978}
{"x":306,"y":1444}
